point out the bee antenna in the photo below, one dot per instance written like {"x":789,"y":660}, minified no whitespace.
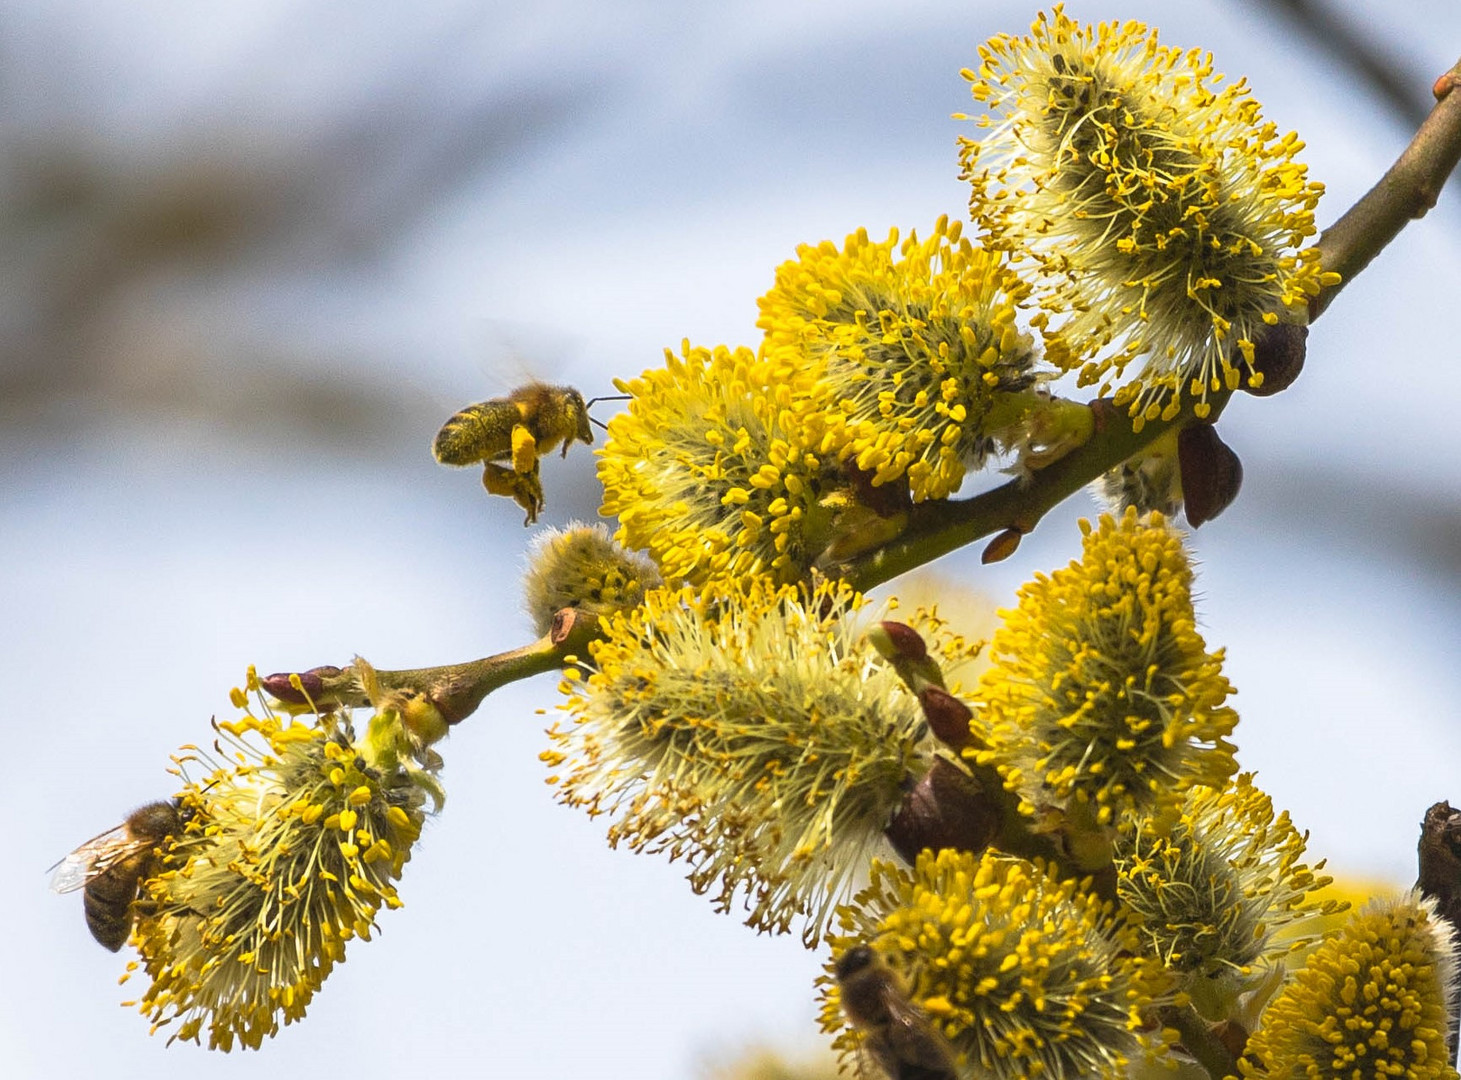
{"x":608,"y":397}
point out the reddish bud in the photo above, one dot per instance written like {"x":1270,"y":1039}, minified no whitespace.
{"x":948,"y":717}
{"x":1278,"y":355}
{"x":1001,"y":547}
{"x":898,"y":641}
{"x":1211,"y":473}
{"x":311,"y":682}
{"x":1233,"y":1036}
{"x":900,"y":645}
{"x":885,"y":500}
{"x":564,"y":620}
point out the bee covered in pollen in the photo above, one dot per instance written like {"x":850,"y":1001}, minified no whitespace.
{"x":111,"y":868}
{"x":508,"y":435}
{"x":895,"y":1033}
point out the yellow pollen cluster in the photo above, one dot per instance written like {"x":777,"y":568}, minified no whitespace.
{"x":1165,"y":217}
{"x":921,"y":370}
{"x":748,"y":729}
{"x":290,"y":849}
{"x":703,"y":471}
{"x":1101,"y":698}
{"x":1025,"y":975}
{"x":1375,"y":999}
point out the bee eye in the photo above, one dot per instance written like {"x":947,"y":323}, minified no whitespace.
{"x":855,"y":959}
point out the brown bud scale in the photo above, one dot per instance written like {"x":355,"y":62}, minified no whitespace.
{"x":1278,"y":354}
{"x":1211,"y":473}
{"x":945,"y":809}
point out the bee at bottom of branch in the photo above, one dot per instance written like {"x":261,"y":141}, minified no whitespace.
{"x":895,"y":1032}
{"x":111,"y":868}
{"x":508,"y":436}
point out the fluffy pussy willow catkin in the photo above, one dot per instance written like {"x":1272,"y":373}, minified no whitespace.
{"x":1376,"y":998}
{"x":920,"y":369}
{"x":581,"y":567}
{"x":1166,"y":218}
{"x":1025,"y":975}
{"x":703,"y":470}
{"x":750,"y":730}
{"x":292,"y":844}
{"x":1214,"y":888}
{"x":1102,"y":699}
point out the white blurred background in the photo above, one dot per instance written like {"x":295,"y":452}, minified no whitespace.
{"x":251,"y":256}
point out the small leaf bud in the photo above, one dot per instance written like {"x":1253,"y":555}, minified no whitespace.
{"x":1001,"y":547}
{"x":897,"y":641}
{"x":904,"y":648}
{"x":305,"y":688}
{"x":948,"y":717}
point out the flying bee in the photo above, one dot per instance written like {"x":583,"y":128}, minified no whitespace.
{"x":517,"y":430}
{"x":111,"y":868}
{"x":895,"y":1032}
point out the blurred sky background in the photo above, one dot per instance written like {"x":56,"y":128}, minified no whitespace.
{"x":252,"y":255}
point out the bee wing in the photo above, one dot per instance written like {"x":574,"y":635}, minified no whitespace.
{"x":921,"y":1052}
{"x":91,"y":859}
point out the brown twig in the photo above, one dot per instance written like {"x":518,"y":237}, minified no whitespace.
{"x":455,"y":689}
{"x":937,"y":528}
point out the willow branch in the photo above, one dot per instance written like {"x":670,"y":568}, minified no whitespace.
{"x":938,"y":527}
{"x":455,"y":689}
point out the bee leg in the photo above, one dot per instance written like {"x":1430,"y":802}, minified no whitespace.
{"x":525,"y":489}
{"x":530,"y":494}
{"x":524,"y":451}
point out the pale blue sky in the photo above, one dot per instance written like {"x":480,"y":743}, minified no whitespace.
{"x":211,"y":456}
